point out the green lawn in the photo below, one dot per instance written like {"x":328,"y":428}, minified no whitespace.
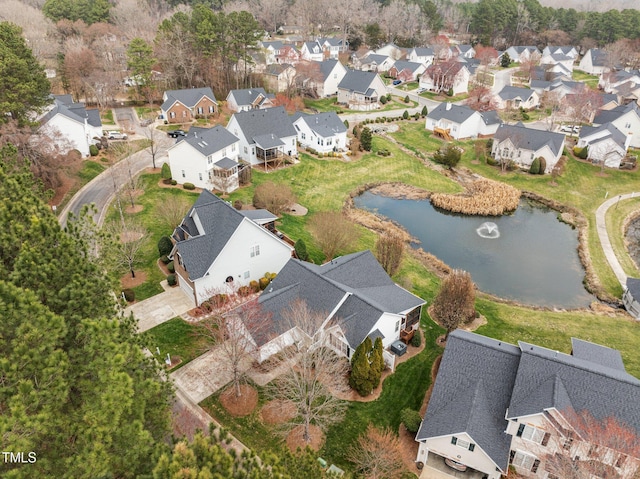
{"x":615,"y":221}
{"x":177,"y":338}
{"x":409,"y":86}
{"x":90,"y":169}
{"x":145,"y":112}
{"x":590,"y":80}
{"x":329,"y":104}
{"x":106,"y":116}
{"x":442,"y":97}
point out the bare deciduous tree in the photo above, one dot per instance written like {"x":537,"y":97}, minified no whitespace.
{"x":583,"y":104}
{"x":172,"y":210}
{"x":389,"y":250}
{"x":313,"y":370}
{"x":377,"y":454}
{"x":129,"y":237}
{"x":277,"y":198}
{"x":481,"y":99}
{"x":233,"y":334}
{"x":333,"y":232}
{"x":455,"y":301}
{"x":155,"y":148}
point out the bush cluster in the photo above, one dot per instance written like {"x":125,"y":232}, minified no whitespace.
{"x":93,"y":150}
{"x":411,"y":419}
{"x":171,"y":280}
{"x":129,"y":295}
{"x":189,"y":186}
{"x":170,"y":267}
{"x":416,"y":341}
{"x":383,"y":152}
{"x":164,"y":246}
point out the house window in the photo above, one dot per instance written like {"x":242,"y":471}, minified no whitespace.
{"x":462,"y":443}
{"x":184,"y":113}
{"x":397,"y":326}
{"x":200,"y":110}
{"x":211,"y":109}
{"x":531,"y":433}
{"x":303,"y":136}
{"x":200,"y":176}
{"x":233,"y":147}
{"x":172,"y":114}
{"x":209,"y":160}
{"x":253,"y":151}
{"x":627,"y":125}
{"x":183,"y":174}
{"x":523,"y":460}
{"x":246,"y":274}
{"x":246,"y":150}
{"x":329,"y":141}
{"x":254,"y":251}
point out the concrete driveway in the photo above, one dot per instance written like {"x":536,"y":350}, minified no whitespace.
{"x":205,"y":375}
{"x":160,"y":308}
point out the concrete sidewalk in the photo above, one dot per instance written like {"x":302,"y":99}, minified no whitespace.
{"x":603,"y":235}
{"x":160,"y":308}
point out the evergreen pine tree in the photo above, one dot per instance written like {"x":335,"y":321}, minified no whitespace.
{"x":360,"y":378}
{"x":377,"y":363}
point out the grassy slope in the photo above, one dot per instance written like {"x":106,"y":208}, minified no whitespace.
{"x":176,"y":337}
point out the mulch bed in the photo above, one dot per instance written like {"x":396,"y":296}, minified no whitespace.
{"x":295,"y":439}
{"x":128,"y":282}
{"x":278,"y":411}
{"x":239,"y":406}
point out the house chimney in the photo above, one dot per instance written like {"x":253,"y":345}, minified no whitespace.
{"x":448,"y":107}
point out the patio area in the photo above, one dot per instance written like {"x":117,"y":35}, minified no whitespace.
{"x":435,"y":468}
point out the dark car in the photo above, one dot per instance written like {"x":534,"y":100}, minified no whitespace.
{"x":177,"y":133}
{"x":397,"y":82}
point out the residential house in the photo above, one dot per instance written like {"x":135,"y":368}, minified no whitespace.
{"x":331,"y":74}
{"x":249,"y":99}
{"x":312,"y":51}
{"x":288,"y":54}
{"x":218,"y":248}
{"x":459,"y":121}
{"x":558,"y":59}
{"x":610,"y":82}
{"x":291,"y":29}
{"x":496,"y":405}
{"x":444,"y":76}
{"x":424,"y":55}
{"x":406,"y":71}
{"x":560,"y":50}
{"x":608,"y":101}
{"x":605,"y":144}
{"x":207,"y":158}
{"x":355,"y":297}
{"x":271,"y":50}
{"x":391,"y":50}
{"x":625,"y":118}
{"x":595,"y":62}
{"x":560,"y":88}
{"x":333,"y":46}
{"x":324,"y":132}
{"x":376,"y":63}
{"x":181,"y":106}
{"x":464,"y":51}
{"x":69,"y":125}
{"x":631,"y":297}
{"x":361,"y":90}
{"x":550,"y":73}
{"x":267,"y":137}
{"x":523,"y":54}
{"x":517,"y":97}
{"x":522,"y":145}
{"x":280,"y":77}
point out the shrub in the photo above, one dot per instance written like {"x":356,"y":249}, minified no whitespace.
{"x":581,"y":152}
{"x":346,"y":123}
{"x":174,"y":182}
{"x":406,"y":99}
{"x":543,"y":166}
{"x":301,"y":250}
{"x":170,"y":267}
{"x":425,"y":111}
{"x":93,"y":150}
{"x":416,"y":116}
{"x":171,"y":280}
{"x":165,"y":259}
{"x":254,"y":285}
{"x":168,"y":181}
{"x":104,"y":159}
{"x":411,"y":419}
{"x":218,"y":300}
{"x":449,"y":155}
{"x":276,"y":198}
{"x":450,"y":92}
{"x":491,"y":161}
{"x":365,"y":139}
{"x":164,"y":245}
{"x":189,"y":186}
{"x":383,"y":100}
{"x":405,"y":115}
{"x":263,"y":283}
{"x":383,"y":152}
{"x":525,"y":115}
{"x":534,"y":169}
{"x":129,"y":295}
{"x":237,"y":204}
{"x":388,"y":96}
{"x":416,"y":341}
{"x":244,"y":290}
{"x":165,"y":172}
{"x":356,"y":131}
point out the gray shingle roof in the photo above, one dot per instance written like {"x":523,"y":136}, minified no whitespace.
{"x":267,"y":141}
{"x":64,"y":105}
{"x":326,"y":67}
{"x":598,"y":57}
{"x":259,"y":216}
{"x":589,"y":384}
{"x":607,"y":116}
{"x":422,"y":51}
{"x":374,"y":57}
{"x":249,"y":95}
{"x":513,"y":92}
{"x":597,"y":353}
{"x":472,"y":392}
{"x":219,"y":221}
{"x":610,"y":132}
{"x":530,"y":138}
{"x":400,"y":65}
{"x":359,"y":275}
{"x":188,"y":97}
{"x":255,"y":123}
{"x":357,"y":81}
{"x":226,"y":163}
{"x":325,"y":124}
{"x":455,"y":113}
{"x":209,"y":140}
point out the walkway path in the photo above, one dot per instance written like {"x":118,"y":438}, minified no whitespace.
{"x":601,"y":225}
{"x":160,"y":308}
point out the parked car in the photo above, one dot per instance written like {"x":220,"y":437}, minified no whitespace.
{"x":420,"y":90}
{"x":397,"y":82}
{"x":455,"y":465}
{"x":116,"y":135}
{"x":176,"y":133}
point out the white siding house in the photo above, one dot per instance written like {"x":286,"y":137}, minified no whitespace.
{"x":461,"y":121}
{"x":324,"y":132}
{"x":522,"y":145}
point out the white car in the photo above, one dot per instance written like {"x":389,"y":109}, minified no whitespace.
{"x":458,"y":466}
{"x":116,"y":135}
{"x":420,"y":90}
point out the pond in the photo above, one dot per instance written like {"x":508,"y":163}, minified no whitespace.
{"x":529,"y":256}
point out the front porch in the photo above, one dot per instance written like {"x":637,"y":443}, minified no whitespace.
{"x":435,"y":468}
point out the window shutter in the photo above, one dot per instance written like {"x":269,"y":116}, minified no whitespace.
{"x":472,"y":446}
{"x":545,"y":439}
{"x":454,"y":440}
{"x":536,"y":463}
{"x":511,"y":456}
{"x":520,"y":430}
